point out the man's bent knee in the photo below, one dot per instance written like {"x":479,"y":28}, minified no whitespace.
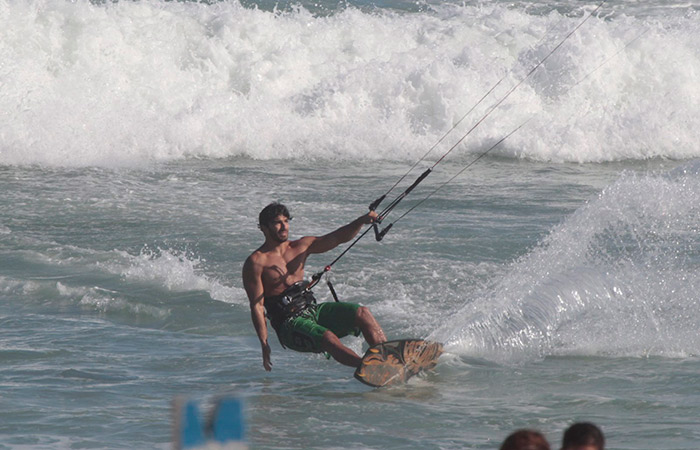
{"x":342,"y":354}
{"x":363,"y":314}
{"x":329,"y":339}
{"x":369,"y":326}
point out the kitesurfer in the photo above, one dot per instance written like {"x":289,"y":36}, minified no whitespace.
{"x":272,"y":278}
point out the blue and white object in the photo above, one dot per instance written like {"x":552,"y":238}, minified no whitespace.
{"x":223,"y":429}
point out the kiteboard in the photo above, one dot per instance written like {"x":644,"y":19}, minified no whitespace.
{"x":394,"y":362}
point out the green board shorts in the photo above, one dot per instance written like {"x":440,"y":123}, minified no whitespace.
{"x":304,"y":333}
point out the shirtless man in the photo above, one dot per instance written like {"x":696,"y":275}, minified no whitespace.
{"x":272,"y":276}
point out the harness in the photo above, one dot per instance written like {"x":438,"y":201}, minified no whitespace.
{"x":289,"y":304}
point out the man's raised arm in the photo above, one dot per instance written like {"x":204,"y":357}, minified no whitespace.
{"x":343,"y":234}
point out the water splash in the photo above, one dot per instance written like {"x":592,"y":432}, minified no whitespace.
{"x":620,"y":277}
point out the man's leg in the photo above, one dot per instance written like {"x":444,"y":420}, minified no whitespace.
{"x":341,"y":318}
{"x":369,"y":326}
{"x":338,"y":351}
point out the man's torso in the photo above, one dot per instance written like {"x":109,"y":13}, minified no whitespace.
{"x":282,"y":269}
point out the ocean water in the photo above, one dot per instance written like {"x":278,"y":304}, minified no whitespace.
{"x":139,"y":140}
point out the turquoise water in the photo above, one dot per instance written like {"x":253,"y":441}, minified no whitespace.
{"x":139,"y":141}
{"x":120,"y":291}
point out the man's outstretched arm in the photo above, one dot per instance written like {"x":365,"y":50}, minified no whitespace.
{"x":343,"y":234}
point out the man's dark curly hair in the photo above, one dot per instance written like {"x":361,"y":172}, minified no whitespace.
{"x":583,"y":433}
{"x":268,"y":214}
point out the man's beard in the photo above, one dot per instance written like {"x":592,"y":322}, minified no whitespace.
{"x":277,"y":238}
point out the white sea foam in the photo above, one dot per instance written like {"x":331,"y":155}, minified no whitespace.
{"x":129,"y":83}
{"x":174,"y":271}
{"x":105,"y":303}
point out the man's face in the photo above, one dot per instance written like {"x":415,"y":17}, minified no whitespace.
{"x":278,"y":228}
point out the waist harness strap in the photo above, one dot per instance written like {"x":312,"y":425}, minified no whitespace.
{"x":290,"y":303}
